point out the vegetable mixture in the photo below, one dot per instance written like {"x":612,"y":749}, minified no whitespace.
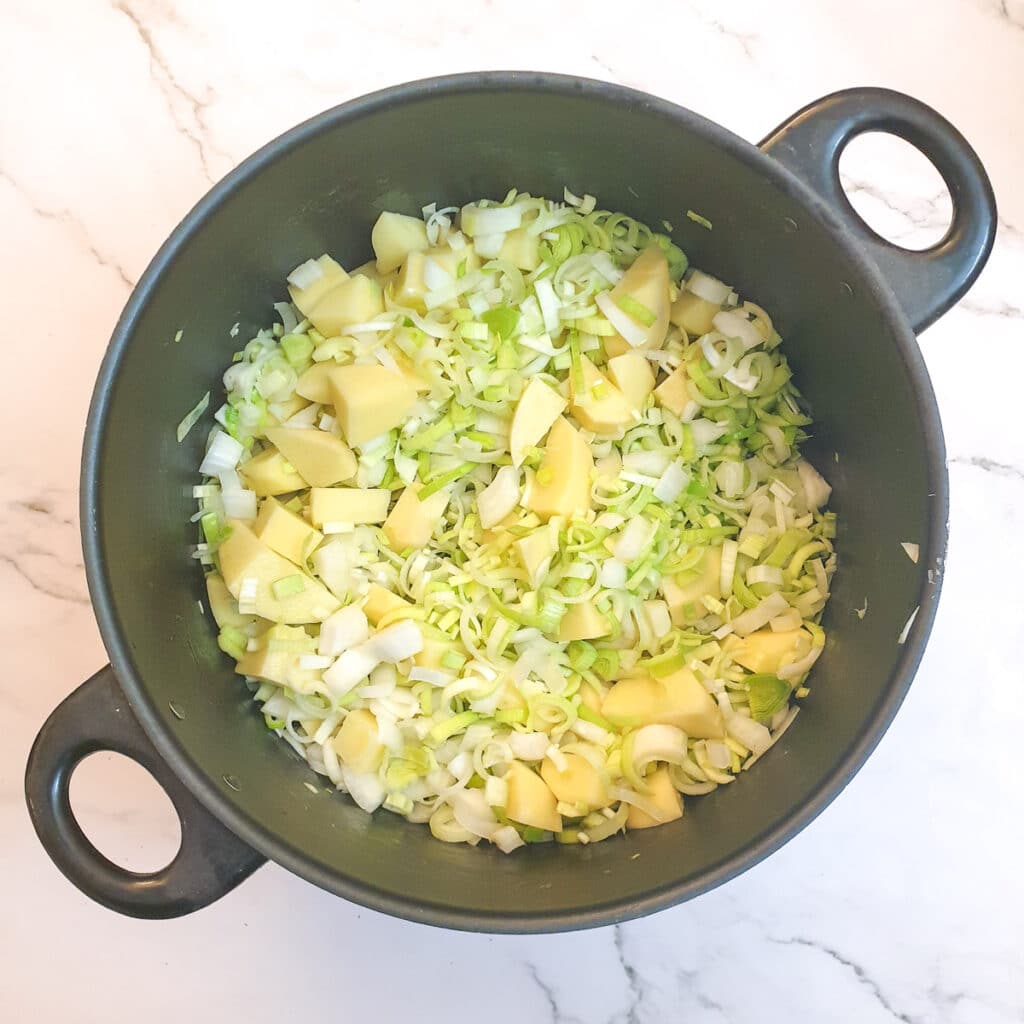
{"x":508,"y":529}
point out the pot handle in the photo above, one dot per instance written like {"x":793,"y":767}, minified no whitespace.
{"x":211,"y":860}
{"x":929,"y":282}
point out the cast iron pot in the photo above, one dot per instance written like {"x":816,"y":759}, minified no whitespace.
{"x":847,"y":304}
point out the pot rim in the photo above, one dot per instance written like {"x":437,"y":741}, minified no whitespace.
{"x":280,"y":849}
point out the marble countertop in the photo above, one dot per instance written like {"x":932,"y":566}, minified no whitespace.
{"x":902,"y":902}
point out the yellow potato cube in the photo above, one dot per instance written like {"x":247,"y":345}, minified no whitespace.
{"x":766,"y":651}
{"x":352,"y":302}
{"x":632,"y":374}
{"x":599,"y":405}
{"x":534,"y":550}
{"x":684,"y":600}
{"x":678,"y":699}
{"x":690,"y":706}
{"x":223,"y":606}
{"x":537,"y":409}
{"x":348,"y":505}
{"x":583,"y":622}
{"x":694,"y":314}
{"x":672,"y":392}
{"x":412,"y":522}
{"x":561,"y":487}
{"x":521,"y":249}
{"x":579,"y":783}
{"x":321,"y":458}
{"x":286,"y":409}
{"x":332,"y":274}
{"x":270,"y":473}
{"x":277,"y":660}
{"x":286,"y":533}
{"x":394,"y":236}
{"x":410,"y":287}
{"x":358,"y":743}
{"x":369,"y":400}
{"x":313,"y":383}
{"x":243,"y":556}
{"x":380,"y":602}
{"x":647,"y":283}
{"x":530,"y":802}
{"x":664,"y":796}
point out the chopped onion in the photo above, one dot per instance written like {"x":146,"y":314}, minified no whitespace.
{"x":396,"y":642}
{"x":905,"y":632}
{"x":633,"y":539}
{"x":529,"y":746}
{"x":735,"y":325}
{"x":816,"y":488}
{"x":672,"y":482}
{"x":489,"y":246}
{"x":708,"y":288}
{"x":753,"y":735}
{"x":549,"y":304}
{"x":499,"y":498}
{"x":707,"y":431}
{"x":633,"y":333}
{"x":347,"y":627}
{"x":351,"y":668}
{"x":223,"y":454}
{"x":489,"y":220}
{"x":364,"y":787}
{"x":305,"y":274}
{"x":754,"y":618}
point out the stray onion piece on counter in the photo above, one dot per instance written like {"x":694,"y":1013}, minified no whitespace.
{"x":508,"y":530}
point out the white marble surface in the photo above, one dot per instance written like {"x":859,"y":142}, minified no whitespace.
{"x":904,"y":901}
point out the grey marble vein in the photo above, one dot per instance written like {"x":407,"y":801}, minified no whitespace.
{"x":68,"y":219}
{"x":922,"y":212}
{"x":1013,"y":15}
{"x":859,"y":973}
{"x":557,"y":1016}
{"x":633,"y":979}
{"x":1006,"y":310}
{"x":745,"y":40}
{"x":988,"y":465}
{"x":167,"y":82}
{"x":49,"y":588}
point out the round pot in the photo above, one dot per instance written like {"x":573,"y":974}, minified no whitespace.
{"x":846,"y":302}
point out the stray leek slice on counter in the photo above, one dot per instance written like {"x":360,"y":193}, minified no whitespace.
{"x":509,"y":530}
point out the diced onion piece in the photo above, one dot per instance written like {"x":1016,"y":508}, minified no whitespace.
{"x":708,"y":288}
{"x":707,"y":431}
{"x":633,"y":333}
{"x":816,"y":488}
{"x":473,"y":813}
{"x":549,"y":304}
{"x":632,"y":540}
{"x":239,"y":504}
{"x":364,"y":787}
{"x":753,"y":735}
{"x":612,"y":574}
{"x":507,"y":839}
{"x":788,"y":620}
{"x":223,"y":454}
{"x":433,"y":676}
{"x":905,"y":632}
{"x":499,"y":497}
{"x":672,"y":482}
{"x":346,"y":628}
{"x":529,"y":746}
{"x":735,"y":325}
{"x":489,"y":220}
{"x":396,"y":642}
{"x":489,"y":246}
{"x":315,"y":662}
{"x":765,"y":574}
{"x":351,"y":668}
{"x":305,"y":274}
{"x":754,"y":618}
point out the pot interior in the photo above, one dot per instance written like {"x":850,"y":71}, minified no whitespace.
{"x":322,"y":192}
